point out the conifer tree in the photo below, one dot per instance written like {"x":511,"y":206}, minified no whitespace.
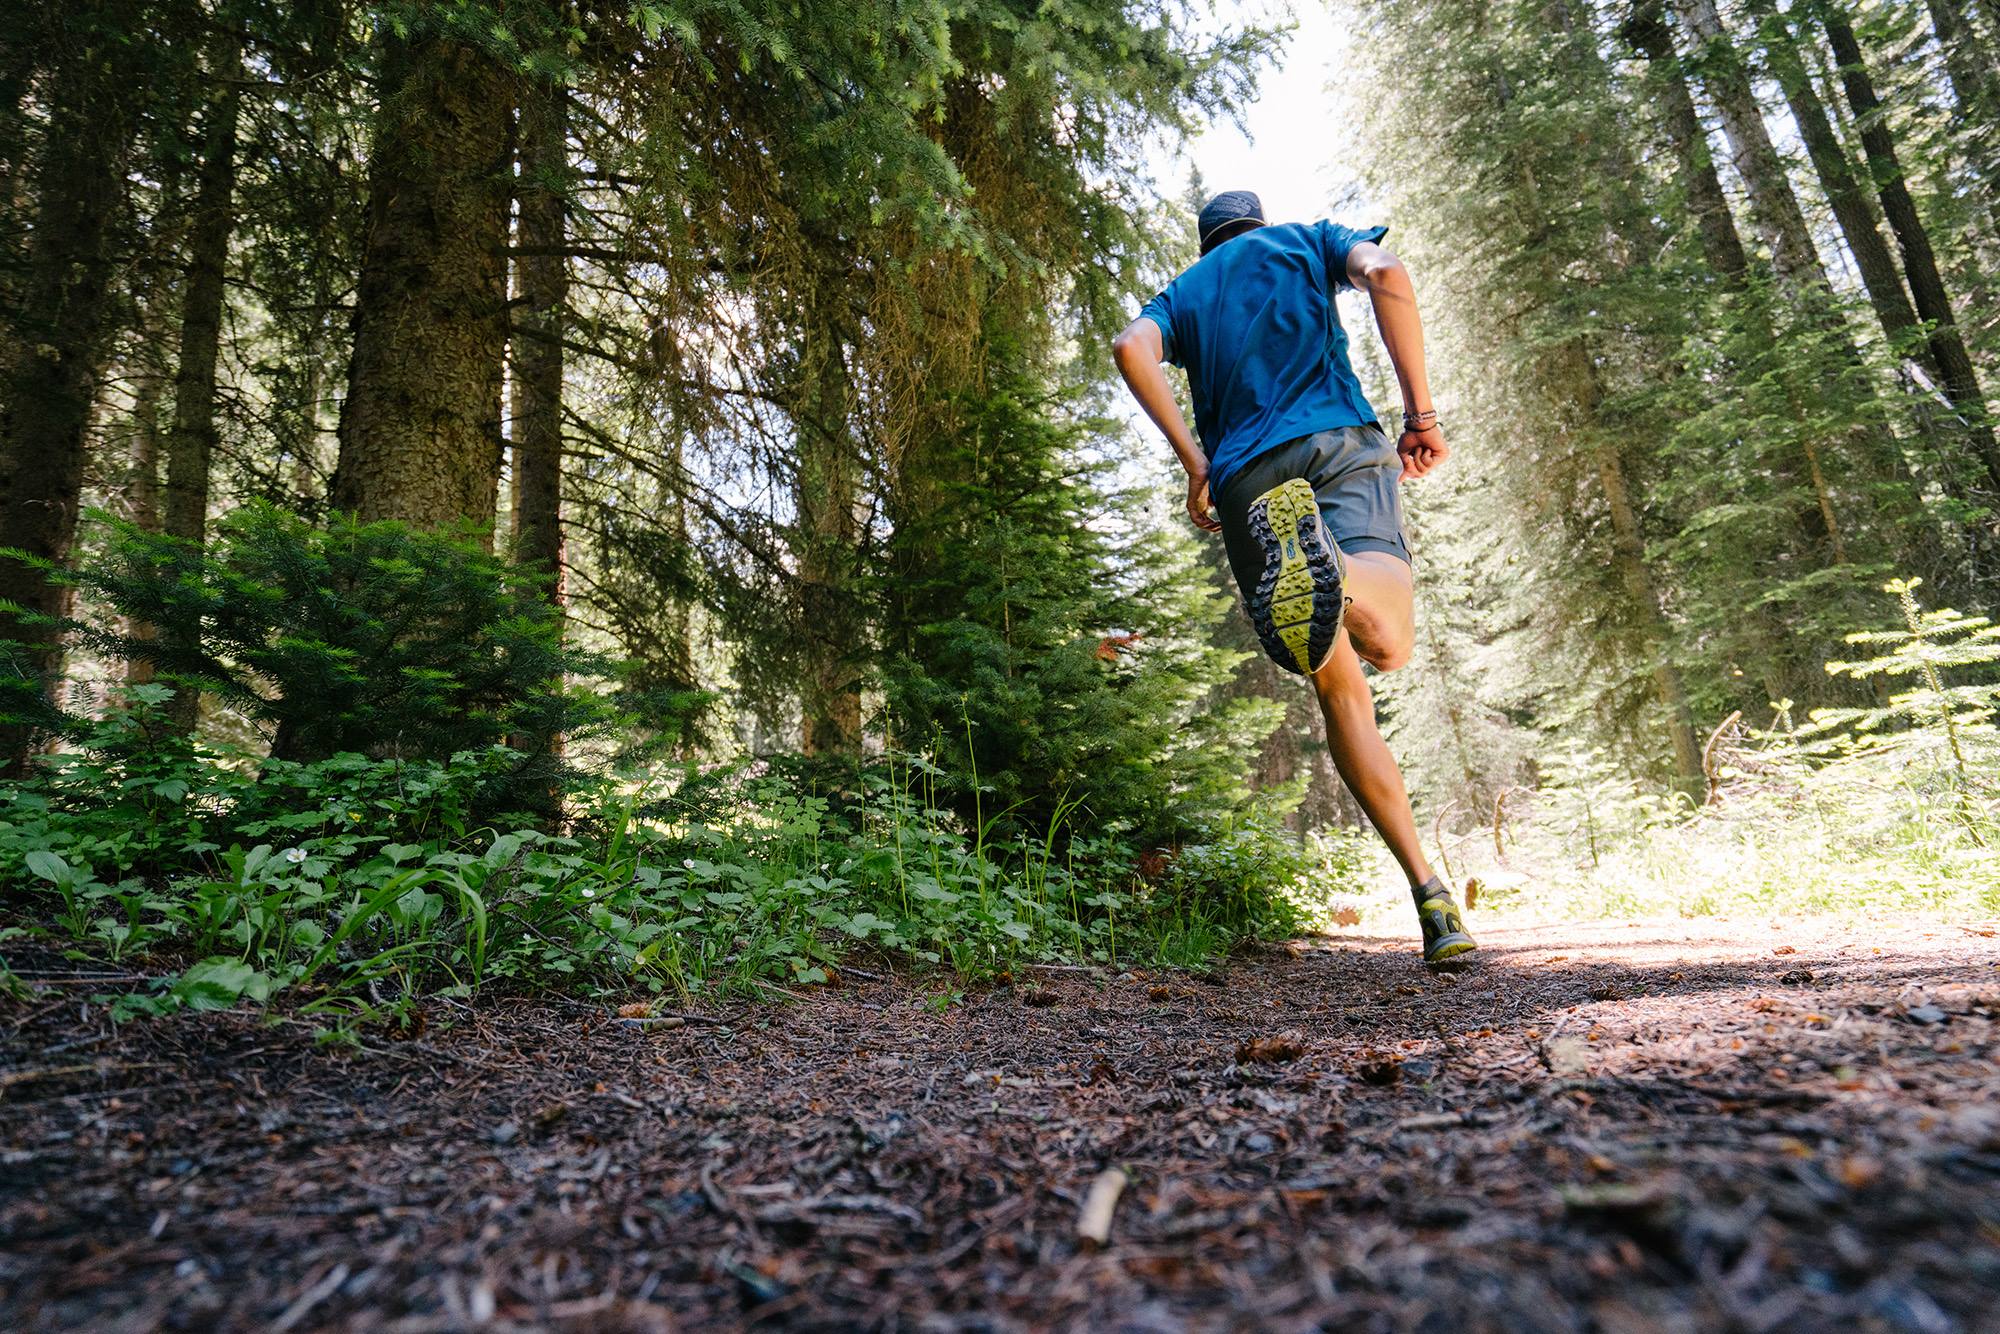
{"x":1920,"y":265}
{"x":60,"y":310}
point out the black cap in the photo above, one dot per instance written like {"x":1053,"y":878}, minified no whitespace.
{"x":1222,"y":217}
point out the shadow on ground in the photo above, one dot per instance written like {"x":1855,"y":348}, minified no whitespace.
{"x":1602,"y":1127}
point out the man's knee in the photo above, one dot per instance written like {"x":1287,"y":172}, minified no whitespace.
{"x":1383,"y":642}
{"x":1381,"y":619}
{"x":1389,"y":654}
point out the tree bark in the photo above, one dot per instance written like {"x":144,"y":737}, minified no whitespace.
{"x":1628,"y":551}
{"x":142,"y":500}
{"x":60,"y":325}
{"x":156,"y":285}
{"x":826,"y":497}
{"x":191,"y":443}
{"x":420,"y":437}
{"x":538,"y":353}
{"x":1933,"y":301}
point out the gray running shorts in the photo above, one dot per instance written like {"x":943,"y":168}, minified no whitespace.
{"x":1353,"y":471}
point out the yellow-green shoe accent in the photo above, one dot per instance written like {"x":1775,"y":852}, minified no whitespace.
{"x":1297,"y":604}
{"x":1445,"y":936}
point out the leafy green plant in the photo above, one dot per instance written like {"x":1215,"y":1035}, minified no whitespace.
{"x":131,"y":799}
{"x":354,"y":885}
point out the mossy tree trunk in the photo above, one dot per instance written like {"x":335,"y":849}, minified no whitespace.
{"x":420,"y":436}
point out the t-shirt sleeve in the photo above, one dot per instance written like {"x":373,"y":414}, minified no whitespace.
{"x":1336,"y":242}
{"x":1160,"y":310}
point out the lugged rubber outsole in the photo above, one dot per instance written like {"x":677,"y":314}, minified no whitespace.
{"x":1297,"y":604}
{"x":1450,"y":951}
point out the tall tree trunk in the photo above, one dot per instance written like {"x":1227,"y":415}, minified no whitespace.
{"x":420,"y":429}
{"x":1975,"y":88}
{"x":142,"y":456}
{"x":191,"y":443}
{"x":1722,"y":245}
{"x":1961,"y":383}
{"x":1975,"y":93}
{"x":1774,"y":206}
{"x":543,"y":274}
{"x":157,"y":284}
{"x":142,"y":498}
{"x":1574,"y":381}
{"x":1854,"y":210}
{"x":1628,"y":554}
{"x":305,"y":428}
{"x":827,"y":497}
{"x":1845,"y":193}
{"x":59,"y":327}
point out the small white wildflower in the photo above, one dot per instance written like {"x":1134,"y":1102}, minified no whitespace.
{"x":589,"y":893}
{"x":295,"y":855}
{"x":688,"y":862}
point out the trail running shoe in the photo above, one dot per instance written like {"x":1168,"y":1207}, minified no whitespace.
{"x":1445,"y":937}
{"x":1297,"y":603}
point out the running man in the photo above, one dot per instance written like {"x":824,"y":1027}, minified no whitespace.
{"x":1296,"y":474}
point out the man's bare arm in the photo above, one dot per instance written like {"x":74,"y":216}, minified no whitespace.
{"x":1138,"y":350}
{"x":1378,"y":272}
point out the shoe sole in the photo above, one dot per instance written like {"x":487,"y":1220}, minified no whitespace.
{"x":1450,"y":951}
{"x":1297,"y":604}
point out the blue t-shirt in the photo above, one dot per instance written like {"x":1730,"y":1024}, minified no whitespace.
{"x":1254,"y":324}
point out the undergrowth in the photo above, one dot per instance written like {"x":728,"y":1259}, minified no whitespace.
{"x":1850,"y":812}
{"x":355,"y":887}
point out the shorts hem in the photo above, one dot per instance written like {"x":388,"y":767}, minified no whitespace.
{"x":1368,"y":542}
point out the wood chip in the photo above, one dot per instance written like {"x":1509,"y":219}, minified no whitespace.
{"x":1094,"y":1223}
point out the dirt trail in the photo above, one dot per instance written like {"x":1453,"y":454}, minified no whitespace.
{"x":1608,"y":1127}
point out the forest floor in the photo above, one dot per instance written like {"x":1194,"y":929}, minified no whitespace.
{"x":1683,"y":1126}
